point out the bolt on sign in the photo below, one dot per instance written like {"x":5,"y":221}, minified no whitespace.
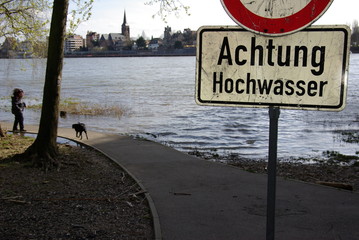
{"x":274,"y":17}
{"x":305,"y":70}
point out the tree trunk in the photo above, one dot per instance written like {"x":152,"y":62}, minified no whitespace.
{"x":1,"y":132}
{"x":44,"y":150}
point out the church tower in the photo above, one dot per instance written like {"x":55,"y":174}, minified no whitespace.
{"x":125,"y":27}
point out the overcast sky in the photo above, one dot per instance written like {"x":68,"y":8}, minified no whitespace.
{"x":108,"y":16}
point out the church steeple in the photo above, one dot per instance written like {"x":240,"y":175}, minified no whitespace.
{"x":125,"y":27}
{"x":124,"y":18}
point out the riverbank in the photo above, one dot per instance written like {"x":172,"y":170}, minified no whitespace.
{"x":133,"y":53}
{"x":205,"y":196}
{"x":333,"y":175}
{"x":337,"y":171}
{"x":125,"y":53}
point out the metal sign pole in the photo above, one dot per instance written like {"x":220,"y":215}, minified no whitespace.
{"x":274,"y":113}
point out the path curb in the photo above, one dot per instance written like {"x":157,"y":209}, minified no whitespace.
{"x":154,"y":213}
{"x":153,"y":209}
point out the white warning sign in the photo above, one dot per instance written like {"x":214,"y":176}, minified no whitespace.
{"x":305,"y":70}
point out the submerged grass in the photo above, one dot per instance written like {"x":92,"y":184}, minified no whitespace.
{"x":337,"y":158}
{"x":74,"y":106}
{"x":350,"y":136}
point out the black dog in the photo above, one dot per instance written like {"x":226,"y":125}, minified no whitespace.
{"x":79,"y":128}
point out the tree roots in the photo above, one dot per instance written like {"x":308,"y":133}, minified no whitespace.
{"x":44,"y":157}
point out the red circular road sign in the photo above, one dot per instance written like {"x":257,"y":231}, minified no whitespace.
{"x":271,"y":17}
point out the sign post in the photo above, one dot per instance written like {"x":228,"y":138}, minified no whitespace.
{"x":306,"y":70}
{"x":272,"y":170}
{"x":272,"y":66}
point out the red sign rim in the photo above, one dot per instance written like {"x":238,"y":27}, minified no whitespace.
{"x":275,"y":26}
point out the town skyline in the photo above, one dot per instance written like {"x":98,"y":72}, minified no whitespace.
{"x":107,"y":17}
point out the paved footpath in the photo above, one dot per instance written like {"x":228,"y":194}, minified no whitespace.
{"x":201,"y":200}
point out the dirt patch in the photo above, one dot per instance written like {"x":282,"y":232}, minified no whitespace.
{"x":90,"y":197}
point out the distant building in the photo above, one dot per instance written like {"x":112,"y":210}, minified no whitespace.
{"x":73,"y":43}
{"x":117,"y":41}
{"x":104,"y":42}
{"x":125,"y":28}
{"x":190,"y":37}
{"x":92,"y":40}
{"x":154,"y":44}
{"x":167,"y":37}
{"x":174,"y":41}
{"x":185,"y":39}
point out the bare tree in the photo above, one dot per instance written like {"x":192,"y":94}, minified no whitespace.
{"x":167,"y":7}
{"x":24,"y":20}
{"x":44,"y":150}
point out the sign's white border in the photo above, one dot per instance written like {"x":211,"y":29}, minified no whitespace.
{"x":202,"y":70}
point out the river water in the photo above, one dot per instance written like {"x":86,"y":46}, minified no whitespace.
{"x":157,"y":96}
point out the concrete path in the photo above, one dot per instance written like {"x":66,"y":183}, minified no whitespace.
{"x":196,"y":199}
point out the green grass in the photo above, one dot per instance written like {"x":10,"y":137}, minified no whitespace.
{"x":13,"y":144}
